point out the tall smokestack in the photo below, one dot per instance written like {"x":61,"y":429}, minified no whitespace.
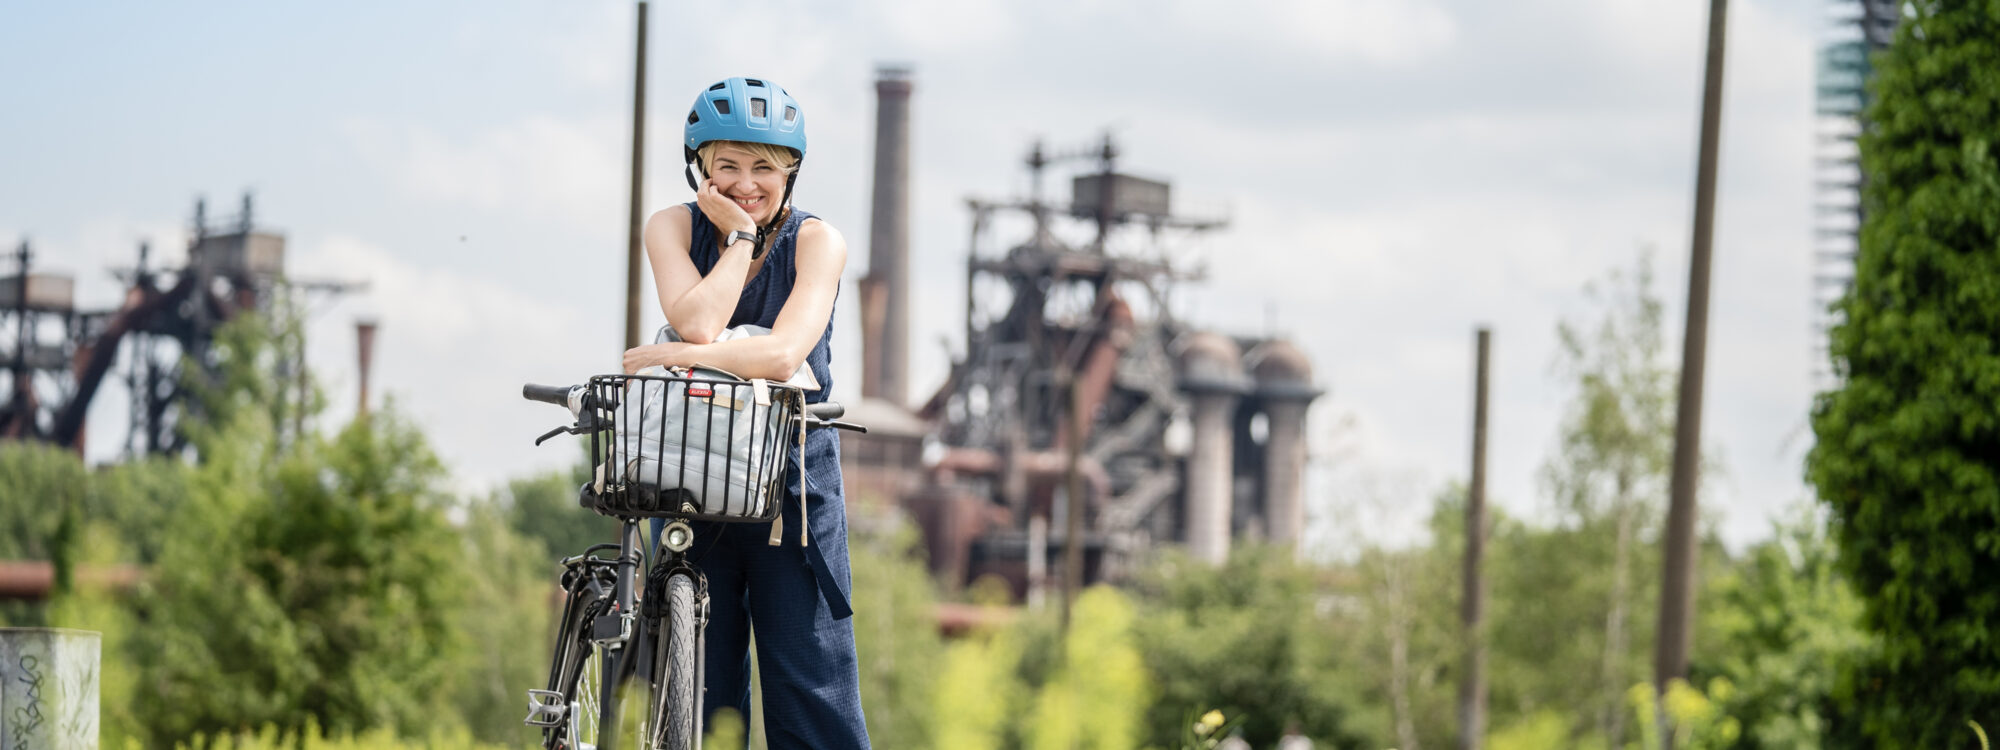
{"x":1284,"y":385}
{"x":1212,"y":376}
{"x":364,"y":340}
{"x":885,"y":291}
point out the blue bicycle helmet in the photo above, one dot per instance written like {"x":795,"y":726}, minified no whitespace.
{"x":753,"y":110}
{"x":750,"y":110}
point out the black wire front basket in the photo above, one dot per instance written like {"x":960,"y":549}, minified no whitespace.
{"x":702,"y":445}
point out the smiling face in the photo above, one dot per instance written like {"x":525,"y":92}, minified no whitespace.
{"x":752,"y":175}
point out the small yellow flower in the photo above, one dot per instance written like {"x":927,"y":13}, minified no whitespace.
{"x":1212,"y":720}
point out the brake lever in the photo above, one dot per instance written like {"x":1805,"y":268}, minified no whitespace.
{"x":589,"y":423}
{"x":551,"y":433}
{"x":817,"y":423}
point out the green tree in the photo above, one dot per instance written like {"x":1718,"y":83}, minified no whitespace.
{"x":305,"y":578}
{"x":37,"y":482}
{"x":1401,"y":633}
{"x":1609,"y":471}
{"x":321,"y":583}
{"x":1784,"y":624}
{"x":978,"y":691}
{"x":42,"y":490}
{"x":544,"y":507}
{"x":895,"y":631}
{"x":1908,"y":449}
{"x":1097,"y":697}
{"x":135,"y":500}
{"x":1254,"y":637}
{"x":507,"y":621}
{"x":95,"y":606}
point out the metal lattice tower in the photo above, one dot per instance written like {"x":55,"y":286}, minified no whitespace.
{"x":59,"y":357}
{"x":1857,"y":30}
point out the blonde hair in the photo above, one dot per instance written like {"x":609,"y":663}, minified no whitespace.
{"x":780,"y":156}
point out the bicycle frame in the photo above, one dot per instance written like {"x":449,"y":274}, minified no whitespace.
{"x":631,"y":651}
{"x":624,"y":658}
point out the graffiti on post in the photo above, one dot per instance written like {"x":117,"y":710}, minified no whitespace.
{"x":48,"y":689}
{"x":26,"y":720}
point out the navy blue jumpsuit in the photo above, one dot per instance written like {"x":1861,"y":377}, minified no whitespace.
{"x":795,"y":596}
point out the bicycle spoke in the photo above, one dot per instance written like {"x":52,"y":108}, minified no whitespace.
{"x":588,"y":701}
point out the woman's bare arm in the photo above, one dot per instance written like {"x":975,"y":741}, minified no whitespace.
{"x":698,"y":306}
{"x":822,"y":256}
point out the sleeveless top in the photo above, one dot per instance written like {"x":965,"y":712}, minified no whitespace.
{"x":764,"y":295}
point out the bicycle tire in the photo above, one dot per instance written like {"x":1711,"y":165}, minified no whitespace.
{"x":576,"y":673}
{"x":627,"y":720}
{"x":679,"y":689}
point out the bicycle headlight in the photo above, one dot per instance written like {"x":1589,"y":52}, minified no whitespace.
{"x":677,"y":536}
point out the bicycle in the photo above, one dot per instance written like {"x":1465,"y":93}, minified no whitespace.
{"x":628,"y":662}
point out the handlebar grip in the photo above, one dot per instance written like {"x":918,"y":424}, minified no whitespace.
{"x":826,"y":411}
{"x":548,"y":394}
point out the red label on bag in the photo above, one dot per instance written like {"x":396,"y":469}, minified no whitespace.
{"x":700,"y":391}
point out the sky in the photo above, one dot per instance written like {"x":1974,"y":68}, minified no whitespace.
{"x":1395,"y":173}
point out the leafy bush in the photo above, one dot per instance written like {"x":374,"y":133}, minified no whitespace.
{"x":1908,"y":449}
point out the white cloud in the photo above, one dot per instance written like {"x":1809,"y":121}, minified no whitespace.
{"x":931,"y":28}
{"x":453,"y":349}
{"x":1384,"y":33}
{"x":541,"y":163}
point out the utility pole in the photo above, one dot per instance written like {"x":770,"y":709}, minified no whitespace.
{"x":1676,"y":633}
{"x":22,"y":402}
{"x":1472,"y":690}
{"x":636,"y":225}
{"x":1069,"y":374}
{"x":1073,"y":496}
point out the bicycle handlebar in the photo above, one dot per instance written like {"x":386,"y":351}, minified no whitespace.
{"x":820,"y":415}
{"x":547,"y":394}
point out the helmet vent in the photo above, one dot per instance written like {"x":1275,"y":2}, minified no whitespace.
{"x":757,"y":108}
{"x":791,"y":113}
{"x":754,"y":82}
{"x":719,"y":86}
{"x":693,"y":118}
{"x":721,"y":105}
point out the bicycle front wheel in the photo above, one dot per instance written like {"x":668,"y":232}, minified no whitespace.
{"x":678,"y":696}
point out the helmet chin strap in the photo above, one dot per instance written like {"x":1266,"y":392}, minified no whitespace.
{"x":784,"y":208}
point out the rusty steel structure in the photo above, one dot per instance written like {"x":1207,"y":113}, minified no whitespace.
{"x":165,"y":323}
{"x":34,"y":306}
{"x":1084,"y":423}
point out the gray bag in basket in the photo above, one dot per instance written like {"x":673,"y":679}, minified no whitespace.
{"x":714,"y":446}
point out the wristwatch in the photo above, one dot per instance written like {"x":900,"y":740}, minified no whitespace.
{"x":755,"y":249}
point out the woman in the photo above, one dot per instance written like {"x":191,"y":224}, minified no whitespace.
{"x":740,"y":254}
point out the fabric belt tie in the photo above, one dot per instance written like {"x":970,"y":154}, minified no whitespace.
{"x":829,"y":588}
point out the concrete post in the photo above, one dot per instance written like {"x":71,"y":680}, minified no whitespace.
{"x":1208,"y":491}
{"x":48,"y":689}
{"x":1211,"y":373}
{"x":1284,"y":386}
{"x":1284,"y":469}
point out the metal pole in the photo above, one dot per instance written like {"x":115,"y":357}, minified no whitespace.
{"x":23,"y":415}
{"x":1106,"y":192}
{"x":1676,"y":634}
{"x":638,"y":171}
{"x":1472,"y":690}
{"x":1073,"y":494}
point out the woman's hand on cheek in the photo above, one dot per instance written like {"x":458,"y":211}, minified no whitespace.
{"x":721,"y":211}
